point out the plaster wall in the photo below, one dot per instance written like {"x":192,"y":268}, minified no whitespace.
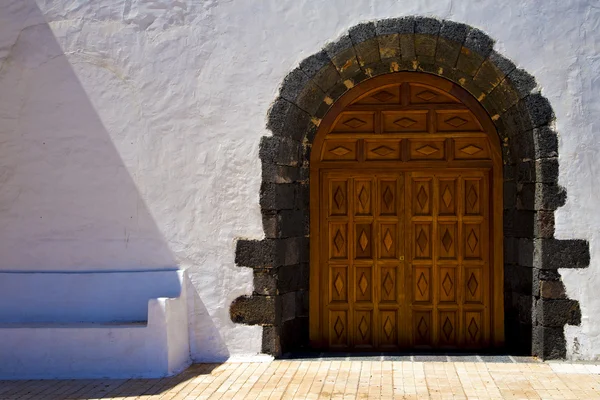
{"x":129,"y":132}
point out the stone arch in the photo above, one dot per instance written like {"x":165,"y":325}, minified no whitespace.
{"x":536,"y":307}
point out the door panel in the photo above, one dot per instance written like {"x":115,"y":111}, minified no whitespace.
{"x":377,"y":275}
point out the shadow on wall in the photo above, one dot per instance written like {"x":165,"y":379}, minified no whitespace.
{"x":68,"y":159}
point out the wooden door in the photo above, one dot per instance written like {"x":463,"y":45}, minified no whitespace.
{"x":406,"y":220}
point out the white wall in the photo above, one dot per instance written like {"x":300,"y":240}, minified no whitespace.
{"x":129,"y":131}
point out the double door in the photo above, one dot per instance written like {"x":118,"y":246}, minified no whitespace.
{"x":404,"y":259}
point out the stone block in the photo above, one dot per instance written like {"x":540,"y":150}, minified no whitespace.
{"x":518,"y":223}
{"x":555,"y":253}
{"x":549,"y":275}
{"x":557,"y":313}
{"x":367,"y":52}
{"x":255,"y":310}
{"x":525,"y":252}
{"x":447,"y":52}
{"x":407,"y":47}
{"x":293,"y":84}
{"x":254,"y":253}
{"x":511,"y":250}
{"x":469,"y":61}
{"x":525,"y":308}
{"x":273,"y":173}
{"x":539,"y":110}
{"x":320,"y":70}
{"x":277,"y":196}
{"x":389,"y":46}
{"x":265,"y":283}
{"x":552,"y":290}
{"x":518,"y":279}
{"x":337,"y":91}
{"x":279,"y":151}
{"x":362,"y":32}
{"x":509,"y":172}
{"x":269,"y":253}
{"x":302,"y":196}
{"x":488,"y":76}
{"x":302,"y":303}
{"x":544,"y":224}
{"x":548,"y":343}
{"x":545,"y":142}
{"x":310,"y":99}
{"x":271,"y":340}
{"x":501,"y":98}
{"x":284,"y":223}
{"x":540,"y":196}
{"x":478,"y":42}
{"x":425,"y":48}
{"x":295,"y":334}
{"x":521,"y":81}
{"x":287,"y":120}
{"x":343,"y":56}
{"x":289,"y":278}
{"x":540,"y":171}
{"x":510,"y":195}
{"x":289,"y":251}
{"x":288,"y":306}
{"x":454,"y":31}
{"x":387,"y":26}
{"x":378,"y":68}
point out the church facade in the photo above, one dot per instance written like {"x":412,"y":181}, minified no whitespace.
{"x":187,"y":182}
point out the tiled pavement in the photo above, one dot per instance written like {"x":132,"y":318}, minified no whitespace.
{"x":341,"y":377}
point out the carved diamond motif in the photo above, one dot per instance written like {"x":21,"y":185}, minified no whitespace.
{"x":427,"y":150}
{"x":363,"y":197}
{"x":427,"y":95}
{"x":383,"y":96}
{"x":472,"y":284}
{"x":338,"y":241}
{"x":422,"y":197}
{"x":339,"y":284}
{"x":405,"y":122}
{"x":355,"y":123}
{"x":338,"y":198}
{"x":447,"y":284}
{"x":472,"y":240}
{"x":363,"y":284}
{"x":447,"y":197}
{"x":382,"y":151}
{"x":456,"y":121}
{"x":338,"y":327}
{"x":388,"y":197}
{"x":363,"y":241}
{"x":472,"y":197}
{"x":447,"y":240}
{"x":447,"y":328}
{"x":388,"y":328}
{"x":388,"y":284}
{"x":340,"y":151}
{"x":473,"y":329}
{"x":471,"y":149}
{"x":422,"y":240}
{"x":422,"y":284}
{"x":422,"y":327}
{"x":363,"y":328}
{"x":387,"y":240}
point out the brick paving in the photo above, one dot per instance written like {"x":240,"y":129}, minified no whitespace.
{"x":338,"y":378}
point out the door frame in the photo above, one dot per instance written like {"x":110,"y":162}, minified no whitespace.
{"x":496,"y":195}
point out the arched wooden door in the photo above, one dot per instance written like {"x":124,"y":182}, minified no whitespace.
{"x":406,"y":220}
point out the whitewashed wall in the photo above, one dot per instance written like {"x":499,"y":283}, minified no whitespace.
{"x":129,"y":132}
